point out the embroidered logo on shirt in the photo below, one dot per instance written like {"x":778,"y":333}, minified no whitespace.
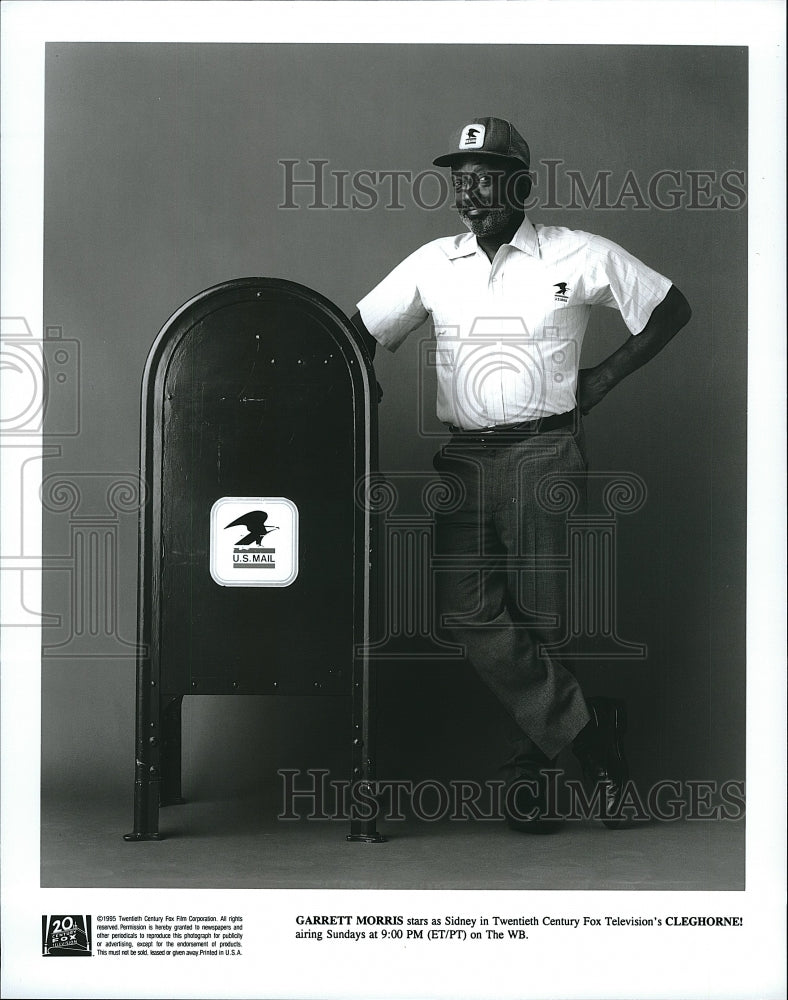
{"x":472,"y":137}
{"x":561,"y":294}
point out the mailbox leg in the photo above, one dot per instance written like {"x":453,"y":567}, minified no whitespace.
{"x":171,"y":751}
{"x":363,"y":757}
{"x":147,"y":772}
{"x":146,"y":806}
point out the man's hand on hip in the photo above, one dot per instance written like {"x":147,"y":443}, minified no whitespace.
{"x":593,"y":384}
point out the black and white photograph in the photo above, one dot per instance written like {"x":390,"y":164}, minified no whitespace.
{"x":393,"y":439}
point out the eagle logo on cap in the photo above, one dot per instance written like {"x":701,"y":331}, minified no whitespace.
{"x":472,"y":136}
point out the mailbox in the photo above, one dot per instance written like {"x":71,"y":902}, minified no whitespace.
{"x":259,"y":421}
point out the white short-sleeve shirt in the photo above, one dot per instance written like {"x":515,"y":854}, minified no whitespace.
{"x":509,"y":333}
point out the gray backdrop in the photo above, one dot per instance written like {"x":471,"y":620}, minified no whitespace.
{"x":162,"y":178}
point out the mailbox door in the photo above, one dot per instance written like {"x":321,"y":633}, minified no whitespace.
{"x":262,"y":394}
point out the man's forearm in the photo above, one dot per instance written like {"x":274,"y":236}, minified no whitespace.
{"x":667,"y":319}
{"x":665,"y":322}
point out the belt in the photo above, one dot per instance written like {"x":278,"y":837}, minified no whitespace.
{"x":506,"y":434}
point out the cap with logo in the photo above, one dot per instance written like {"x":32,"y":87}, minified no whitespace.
{"x":490,"y":136}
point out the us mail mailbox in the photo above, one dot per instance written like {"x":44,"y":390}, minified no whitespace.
{"x":259,"y":420}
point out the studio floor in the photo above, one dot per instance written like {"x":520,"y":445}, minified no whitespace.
{"x":238,"y":843}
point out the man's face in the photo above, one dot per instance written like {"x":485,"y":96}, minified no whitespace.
{"x":484,"y":194}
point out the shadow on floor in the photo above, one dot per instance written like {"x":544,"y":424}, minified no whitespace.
{"x":241,"y":844}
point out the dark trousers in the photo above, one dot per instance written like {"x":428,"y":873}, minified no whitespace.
{"x":502,"y":588}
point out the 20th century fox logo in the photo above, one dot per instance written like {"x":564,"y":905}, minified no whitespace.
{"x":66,"y":935}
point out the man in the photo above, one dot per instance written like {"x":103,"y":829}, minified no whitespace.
{"x":510,"y":303}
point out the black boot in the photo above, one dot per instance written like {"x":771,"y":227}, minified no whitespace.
{"x":599,"y":748}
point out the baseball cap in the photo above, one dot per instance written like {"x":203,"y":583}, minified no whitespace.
{"x":491,"y":136}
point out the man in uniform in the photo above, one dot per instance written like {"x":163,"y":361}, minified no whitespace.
{"x":510,"y":302}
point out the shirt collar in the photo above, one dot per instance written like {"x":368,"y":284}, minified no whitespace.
{"x":524,"y":239}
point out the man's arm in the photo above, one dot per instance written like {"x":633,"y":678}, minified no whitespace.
{"x":665,"y":322}
{"x":369,"y":341}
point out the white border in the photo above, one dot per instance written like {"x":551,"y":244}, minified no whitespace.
{"x":701,"y":965}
